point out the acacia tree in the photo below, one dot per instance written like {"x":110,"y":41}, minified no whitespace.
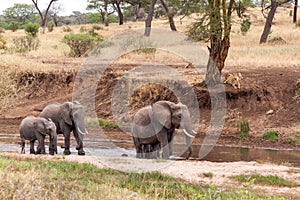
{"x":219,"y":28}
{"x":273,"y":6}
{"x":43,"y":15}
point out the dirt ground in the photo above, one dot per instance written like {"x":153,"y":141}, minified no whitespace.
{"x":268,"y":99}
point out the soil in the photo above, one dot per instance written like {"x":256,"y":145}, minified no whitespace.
{"x":268,"y":99}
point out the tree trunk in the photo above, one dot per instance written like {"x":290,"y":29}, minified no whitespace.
{"x":268,"y":25}
{"x":170,"y":15}
{"x":295,"y":12}
{"x":105,"y":13}
{"x":149,"y":19}
{"x":120,"y":14}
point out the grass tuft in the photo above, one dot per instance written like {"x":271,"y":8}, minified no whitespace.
{"x":269,"y":180}
{"x":271,"y":135}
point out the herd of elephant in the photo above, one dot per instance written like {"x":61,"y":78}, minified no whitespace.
{"x":153,"y":128}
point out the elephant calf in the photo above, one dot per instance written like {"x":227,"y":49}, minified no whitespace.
{"x":36,"y":128}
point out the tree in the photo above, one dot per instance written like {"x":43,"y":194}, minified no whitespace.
{"x":170,"y":15}
{"x":103,"y":7}
{"x":273,"y":6}
{"x":20,"y":13}
{"x":53,"y":13}
{"x":44,"y":15}
{"x":295,"y":11}
{"x":219,"y":27}
{"x":149,"y":19}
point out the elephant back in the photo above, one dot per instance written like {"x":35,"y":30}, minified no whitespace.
{"x":142,"y":117}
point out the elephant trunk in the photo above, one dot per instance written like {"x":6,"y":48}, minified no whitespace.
{"x":186,"y":124}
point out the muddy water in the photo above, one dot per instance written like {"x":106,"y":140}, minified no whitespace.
{"x":118,"y":148}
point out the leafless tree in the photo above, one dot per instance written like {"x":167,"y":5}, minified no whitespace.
{"x":43,"y":15}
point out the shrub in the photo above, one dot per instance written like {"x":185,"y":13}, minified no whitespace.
{"x":83,"y":29}
{"x":2,"y":43}
{"x":26,"y":43}
{"x":80,"y":44}
{"x":271,"y":135}
{"x":243,"y":129}
{"x":67,"y":29}
{"x":245,"y":25}
{"x":32,"y":29}
{"x":13,"y":26}
{"x":50,"y":26}
{"x":97,"y":27}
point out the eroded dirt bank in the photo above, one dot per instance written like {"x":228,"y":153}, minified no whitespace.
{"x":268,"y":99}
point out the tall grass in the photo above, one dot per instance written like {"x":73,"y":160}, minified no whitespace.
{"x":31,"y":179}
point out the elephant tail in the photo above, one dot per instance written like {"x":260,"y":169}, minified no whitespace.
{"x":22,"y":146}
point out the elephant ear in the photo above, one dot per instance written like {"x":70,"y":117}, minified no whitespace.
{"x":162,"y":114}
{"x":40,"y":127}
{"x":66,"y":113}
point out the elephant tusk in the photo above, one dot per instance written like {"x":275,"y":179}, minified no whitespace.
{"x":194,"y":132}
{"x":189,"y":135}
{"x":80,"y":131}
{"x":86,"y":132}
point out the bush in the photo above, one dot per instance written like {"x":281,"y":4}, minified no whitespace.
{"x":83,"y":29}
{"x":271,"y":135}
{"x":32,"y":29}
{"x":50,"y":26}
{"x":80,"y":44}
{"x":67,"y":29}
{"x":97,"y":27}
{"x":243,"y":129}
{"x":13,"y":26}
{"x":245,"y":25}
{"x":2,"y":43}
{"x":26,"y":43}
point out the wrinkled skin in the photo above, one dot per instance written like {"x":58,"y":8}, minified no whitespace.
{"x":68,"y":117}
{"x":36,"y":128}
{"x":155,"y":125}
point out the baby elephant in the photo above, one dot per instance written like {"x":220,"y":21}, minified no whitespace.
{"x":36,"y":128}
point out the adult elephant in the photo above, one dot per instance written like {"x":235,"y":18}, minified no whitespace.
{"x":68,"y":117}
{"x":155,"y":125}
{"x":36,"y":128}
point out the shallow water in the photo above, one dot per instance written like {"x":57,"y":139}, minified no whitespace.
{"x":103,"y":147}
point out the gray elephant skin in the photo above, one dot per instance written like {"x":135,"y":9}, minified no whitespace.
{"x":68,"y":117}
{"x":153,"y":128}
{"x":36,"y":128}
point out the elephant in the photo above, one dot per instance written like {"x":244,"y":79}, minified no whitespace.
{"x":155,"y":125}
{"x":36,"y":128}
{"x":68,"y":117}
{"x":151,"y":151}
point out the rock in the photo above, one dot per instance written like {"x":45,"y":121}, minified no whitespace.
{"x":270,"y":112}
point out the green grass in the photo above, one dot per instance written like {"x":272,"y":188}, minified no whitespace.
{"x":243,"y":129}
{"x":102,"y":123}
{"x":269,"y":180}
{"x":31,"y":179}
{"x":271,"y":136}
{"x":295,"y":140}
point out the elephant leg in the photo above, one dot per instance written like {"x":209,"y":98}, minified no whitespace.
{"x":155,"y":151}
{"x":41,"y":146}
{"x":170,"y":140}
{"x":138,"y":147}
{"x":22,"y":146}
{"x":79,"y":138}
{"x":147,"y":150}
{"x":67,"y":143}
{"x":163,"y":140}
{"x":32,"y":151}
